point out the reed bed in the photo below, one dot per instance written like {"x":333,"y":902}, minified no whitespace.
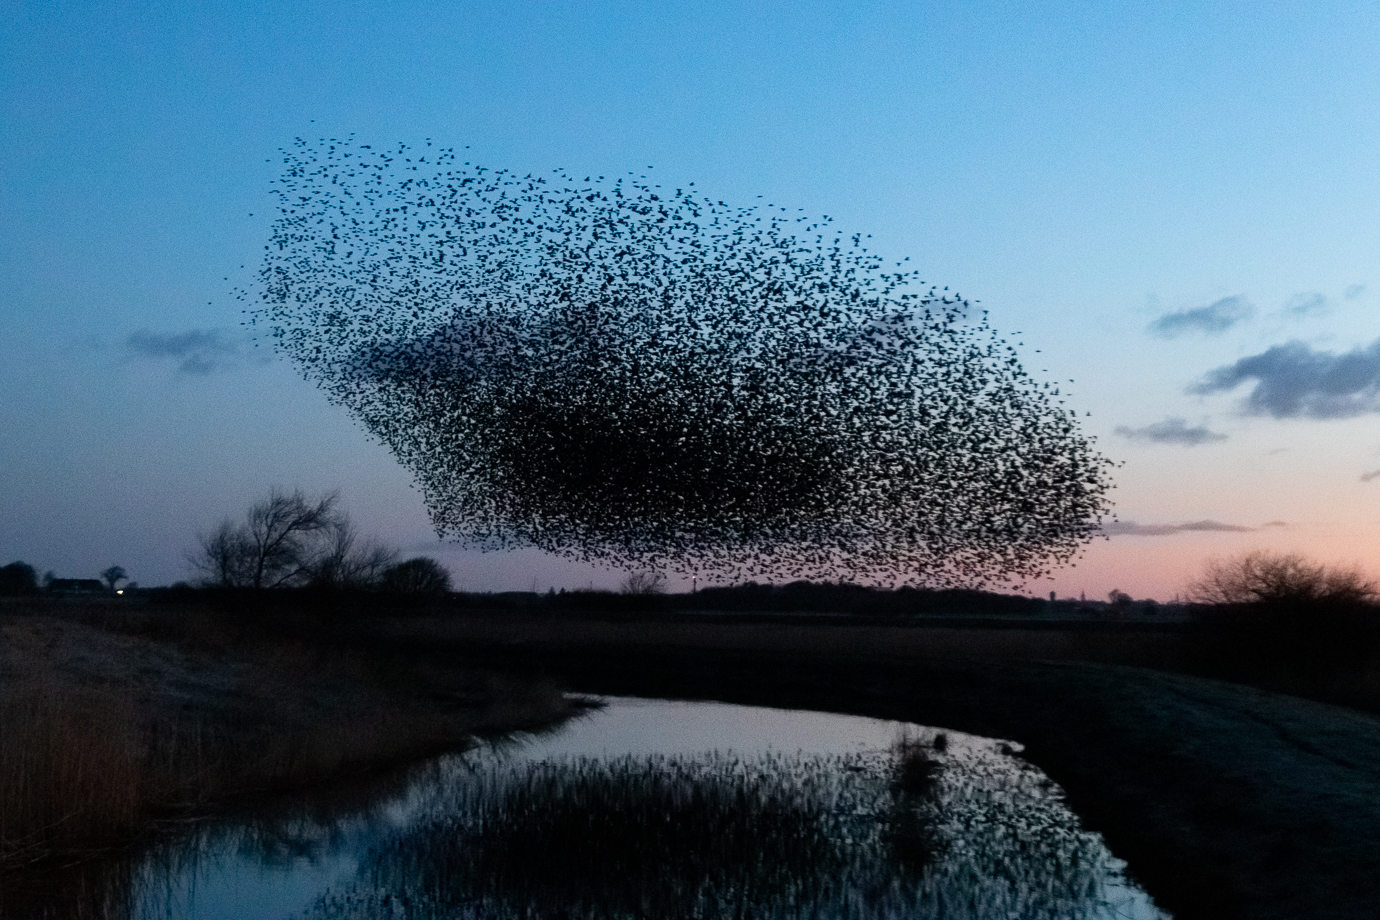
{"x":103,"y":741}
{"x":71,"y":770}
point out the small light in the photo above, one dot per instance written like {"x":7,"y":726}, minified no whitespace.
{"x":121,"y":591}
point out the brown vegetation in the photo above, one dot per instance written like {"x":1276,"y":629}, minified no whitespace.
{"x":104,"y":733}
{"x":1226,"y":800}
{"x":71,"y":768}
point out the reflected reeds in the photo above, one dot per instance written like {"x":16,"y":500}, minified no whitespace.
{"x":924,"y":830}
{"x":938,"y":825}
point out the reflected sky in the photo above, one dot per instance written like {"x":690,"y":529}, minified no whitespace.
{"x":672,"y":727}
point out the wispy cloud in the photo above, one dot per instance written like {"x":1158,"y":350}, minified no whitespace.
{"x":1172,"y":431}
{"x":1132,"y":529}
{"x":197,"y":351}
{"x":1293,"y":380}
{"x":1308,"y":304}
{"x":1215,"y":318}
{"x":1373,"y":474}
{"x":1353,"y":291}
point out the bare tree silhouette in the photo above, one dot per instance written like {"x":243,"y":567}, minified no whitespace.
{"x":284,"y":541}
{"x":113,"y":576}
{"x":1266,"y":577}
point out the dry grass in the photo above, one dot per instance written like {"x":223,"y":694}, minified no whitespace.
{"x":103,"y":735}
{"x":71,"y":768}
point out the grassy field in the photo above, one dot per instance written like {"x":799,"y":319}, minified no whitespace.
{"x":1227,"y":800}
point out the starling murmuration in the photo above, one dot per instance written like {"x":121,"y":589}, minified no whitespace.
{"x":627,"y":374}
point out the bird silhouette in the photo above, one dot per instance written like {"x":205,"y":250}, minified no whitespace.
{"x":621,"y":374}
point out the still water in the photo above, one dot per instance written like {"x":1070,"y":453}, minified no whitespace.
{"x":652,"y":808}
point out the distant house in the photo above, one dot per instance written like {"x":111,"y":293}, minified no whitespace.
{"x":76,"y":586}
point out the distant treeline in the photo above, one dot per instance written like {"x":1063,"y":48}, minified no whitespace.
{"x":800,"y":597}
{"x":860,"y":600}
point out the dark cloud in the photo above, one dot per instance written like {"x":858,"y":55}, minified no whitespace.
{"x":1172,"y":431}
{"x":1373,"y":474}
{"x":1292,"y":381}
{"x":1309,"y":304}
{"x":1132,"y":529}
{"x":1215,"y":318}
{"x":198,"y":351}
{"x":1274,"y":524}
{"x":1353,"y":291}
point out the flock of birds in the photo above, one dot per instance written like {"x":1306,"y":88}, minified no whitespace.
{"x":643,"y":377}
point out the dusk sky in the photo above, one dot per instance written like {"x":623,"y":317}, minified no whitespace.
{"x":1175,"y":205}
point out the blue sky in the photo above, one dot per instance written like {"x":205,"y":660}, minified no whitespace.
{"x":1159,"y":198}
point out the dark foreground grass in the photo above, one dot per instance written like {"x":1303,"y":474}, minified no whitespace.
{"x":904,"y":833}
{"x":631,"y":837}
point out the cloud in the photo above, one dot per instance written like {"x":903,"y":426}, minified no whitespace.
{"x":1373,"y":474}
{"x":1215,"y":318}
{"x":1274,"y":524}
{"x":1292,"y":381}
{"x":1171,"y":431}
{"x":1309,"y":304}
{"x":198,"y":351}
{"x":1132,"y":529}
{"x":1353,"y":291}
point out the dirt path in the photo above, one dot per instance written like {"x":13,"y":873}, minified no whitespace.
{"x":1226,"y":801}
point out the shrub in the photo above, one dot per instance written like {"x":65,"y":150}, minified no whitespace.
{"x":1281,"y":615}
{"x":422,"y":575}
{"x":18,"y":579}
{"x":1265,"y":577}
{"x":643,"y":584}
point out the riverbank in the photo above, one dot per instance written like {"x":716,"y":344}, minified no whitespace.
{"x":1227,"y":801}
{"x":116,"y":723}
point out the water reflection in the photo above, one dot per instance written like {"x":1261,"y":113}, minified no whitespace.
{"x":648,"y":809}
{"x":925,"y":829}
{"x":260,"y":864}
